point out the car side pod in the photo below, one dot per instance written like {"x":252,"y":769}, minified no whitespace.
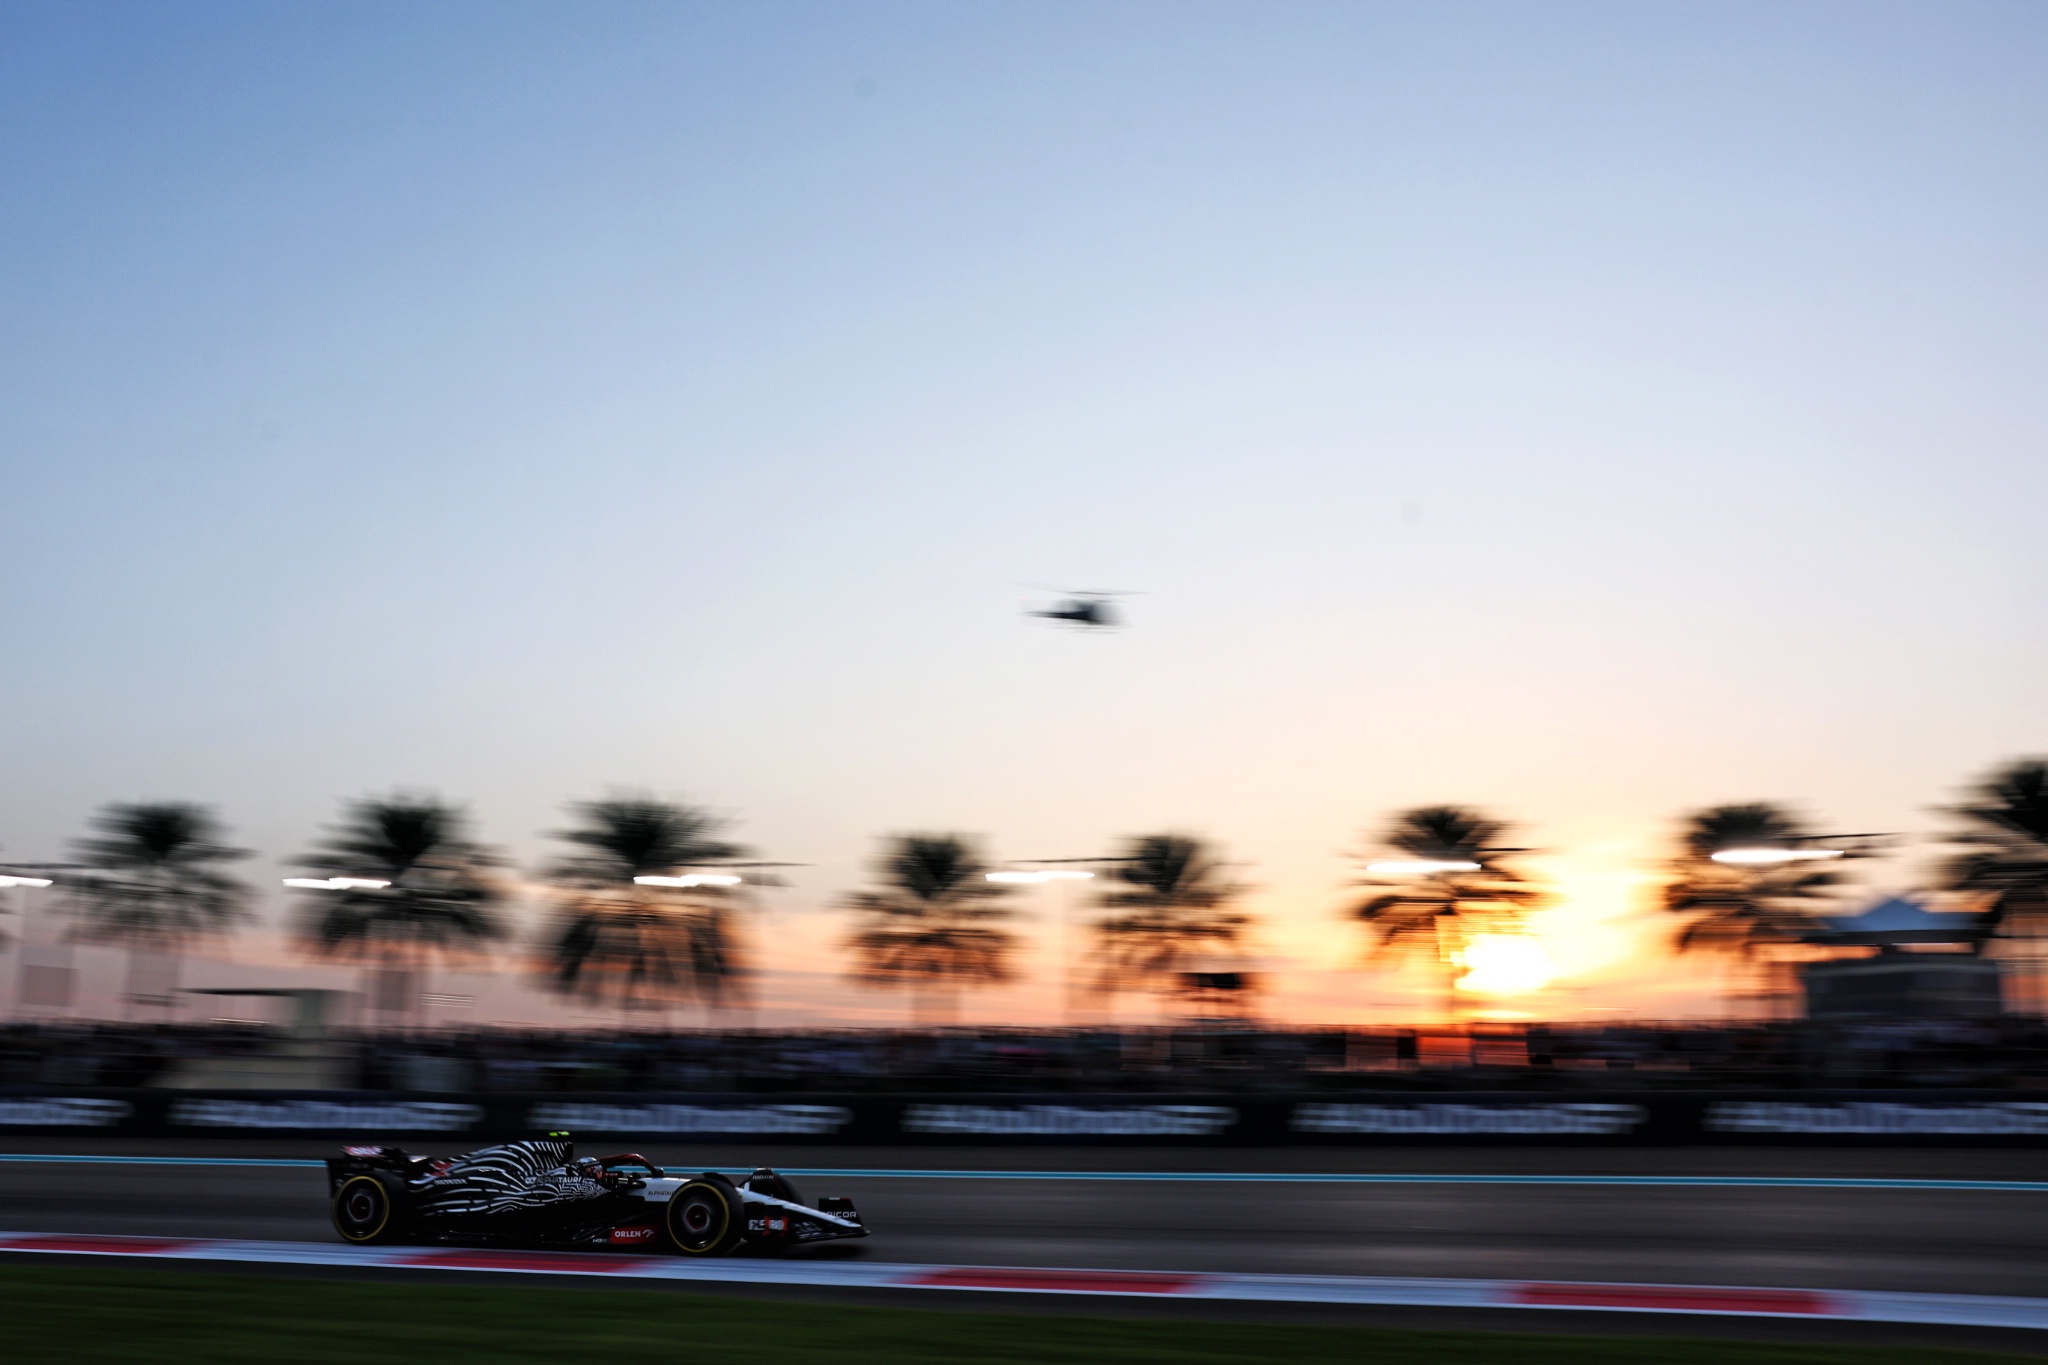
{"x":705,"y":1216}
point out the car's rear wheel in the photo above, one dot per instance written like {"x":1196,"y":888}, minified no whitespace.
{"x":705,"y":1217}
{"x":368,"y":1209}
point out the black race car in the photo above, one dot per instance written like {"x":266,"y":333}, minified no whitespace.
{"x":537,"y":1193}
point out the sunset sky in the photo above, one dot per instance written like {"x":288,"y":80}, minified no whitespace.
{"x":1583,"y":411}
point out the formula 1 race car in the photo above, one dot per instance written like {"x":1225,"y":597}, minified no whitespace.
{"x":536,"y":1193}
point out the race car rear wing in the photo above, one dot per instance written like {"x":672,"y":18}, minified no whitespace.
{"x":358,"y":1160}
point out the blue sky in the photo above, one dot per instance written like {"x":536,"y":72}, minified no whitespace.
{"x":1586,"y":411}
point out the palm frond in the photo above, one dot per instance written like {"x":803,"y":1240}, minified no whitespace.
{"x":2003,"y":843}
{"x":441,"y":896}
{"x":1171,"y":898}
{"x":623,"y":837}
{"x":154,"y":877}
{"x":1409,"y":912}
{"x":1750,"y":912}
{"x":933,"y":919}
{"x":615,"y":940}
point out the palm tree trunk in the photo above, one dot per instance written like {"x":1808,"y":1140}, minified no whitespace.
{"x":1767,"y":990}
{"x":1448,"y":945}
{"x":416,"y":988}
{"x":148,"y":986}
{"x":388,"y":992}
{"x":2028,"y":980}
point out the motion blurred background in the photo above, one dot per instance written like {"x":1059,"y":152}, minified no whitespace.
{"x":1584,"y":414}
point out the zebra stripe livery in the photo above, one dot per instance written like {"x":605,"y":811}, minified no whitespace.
{"x":536,"y":1193}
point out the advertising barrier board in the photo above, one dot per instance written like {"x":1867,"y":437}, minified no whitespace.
{"x":1358,"y":1118}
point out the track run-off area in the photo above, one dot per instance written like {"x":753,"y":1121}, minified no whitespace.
{"x":1962,"y":1310}
{"x":1916,"y":1236}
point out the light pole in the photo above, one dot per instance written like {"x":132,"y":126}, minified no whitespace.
{"x":26,"y":877}
{"x":1064,"y":950}
{"x":720,"y":876}
{"x":1065,"y":870}
{"x":386,"y":989}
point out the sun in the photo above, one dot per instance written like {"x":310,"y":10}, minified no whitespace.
{"x":1504,"y":964}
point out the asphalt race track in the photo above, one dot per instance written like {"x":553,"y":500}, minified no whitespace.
{"x":1868,"y":1237}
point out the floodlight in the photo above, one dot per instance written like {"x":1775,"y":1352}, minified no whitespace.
{"x":1766,"y":857}
{"x":1421,"y":867}
{"x":693,"y":879}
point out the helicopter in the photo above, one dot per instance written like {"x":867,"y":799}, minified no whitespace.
{"x":1081,"y":608}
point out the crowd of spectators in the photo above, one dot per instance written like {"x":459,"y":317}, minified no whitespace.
{"x":2009,"y":1053}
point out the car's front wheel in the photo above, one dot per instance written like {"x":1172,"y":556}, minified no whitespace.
{"x":705,"y":1217}
{"x":368,"y":1209}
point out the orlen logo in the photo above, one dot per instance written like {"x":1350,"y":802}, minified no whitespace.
{"x":628,"y":1236}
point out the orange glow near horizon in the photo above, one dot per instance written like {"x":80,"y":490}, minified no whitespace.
{"x":1598,"y":950}
{"x":1505,"y":964}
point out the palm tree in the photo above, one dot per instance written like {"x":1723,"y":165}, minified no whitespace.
{"x":2004,"y":860}
{"x":421,"y":889}
{"x":933,"y":925}
{"x":154,"y":882}
{"x":1758,"y":914}
{"x":1169,"y":898}
{"x":643,"y":946}
{"x":1460,"y":885}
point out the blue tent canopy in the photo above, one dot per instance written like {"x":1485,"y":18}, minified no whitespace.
{"x":1900,"y":919}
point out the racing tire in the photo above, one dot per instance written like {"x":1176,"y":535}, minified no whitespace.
{"x":369,"y":1209}
{"x":705,"y":1217}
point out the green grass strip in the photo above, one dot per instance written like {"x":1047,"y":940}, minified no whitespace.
{"x":93,"y":1313}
